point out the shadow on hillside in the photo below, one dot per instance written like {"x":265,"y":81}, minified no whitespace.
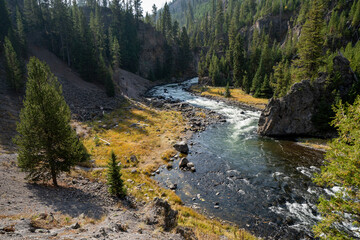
{"x":10,"y":105}
{"x":71,"y":201}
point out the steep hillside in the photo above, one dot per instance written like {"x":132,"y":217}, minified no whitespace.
{"x":264,"y":47}
{"x":86,"y":100}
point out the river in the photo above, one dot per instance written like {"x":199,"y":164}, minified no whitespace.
{"x":261,"y":184}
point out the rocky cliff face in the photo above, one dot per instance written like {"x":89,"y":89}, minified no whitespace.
{"x":294,"y":114}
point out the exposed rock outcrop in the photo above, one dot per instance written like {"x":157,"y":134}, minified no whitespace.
{"x":159,"y":212}
{"x":294,"y":114}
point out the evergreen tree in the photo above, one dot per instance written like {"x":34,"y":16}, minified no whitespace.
{"x":342,"y":170}
{"x":47,"y":143}
{"x":62,"y":28}
{"x":166,"y":22}
{"x":227,"y":91}
{"x":214,"y":70}
{"x":311,"y":42}
{"x":184,"y":50}
{"x":4,"y":20}
{"x":115,"y":53}
{"x":282,"y":79}
{"x":201,"y":65}
{"x":219,"y":20}
{"x":239,"y":62}
{"x":32,"y":14}
{"x":154,"y":14}
{"x":138,"y":10}
{"x":20,"y":31}
{"x":356,"y":16}
{"x":114,"y":177}
{"x":265,"y":91}
{"x":14,"y":71}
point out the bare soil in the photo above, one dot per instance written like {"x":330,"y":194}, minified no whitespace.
{"x":77,"y":200}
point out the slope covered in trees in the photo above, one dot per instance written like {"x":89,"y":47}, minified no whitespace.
{"x":94,"y":38}
{"x":264,"y":47}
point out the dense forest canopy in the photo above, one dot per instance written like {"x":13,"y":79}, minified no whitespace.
{"x":93,"y":37}
{"x":274,"y":37}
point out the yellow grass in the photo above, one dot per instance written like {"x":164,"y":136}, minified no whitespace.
{"x":146,"y":133}
{"x":150,"y":140}
{"x":236,"y":95}
{"x":315,"y":143}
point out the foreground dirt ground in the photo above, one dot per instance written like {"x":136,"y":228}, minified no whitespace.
{"x":30,"y":211}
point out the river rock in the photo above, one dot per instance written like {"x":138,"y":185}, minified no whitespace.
{"x":182,"y":147}
{"x":294,"y":114}
{"x":183,"y":163}
{"x":190,"y":164}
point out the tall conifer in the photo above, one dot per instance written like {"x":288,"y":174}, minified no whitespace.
{"x":47,"y":144}
{"x":311,"y":42}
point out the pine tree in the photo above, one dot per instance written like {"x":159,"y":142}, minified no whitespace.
{"x":138,"y":10}
{"x":311,"y":42}
{"x":166,"y":22}
{"x":14,"y":71}
{"x":154,"y":14}
{"x":20,"y":31}
{"x":184,"y":50}
{"x":342,"y":170}
{"x":4,"y":20}
{"x":265,"y":90}
{"x":115,"y":53}
{"x":356,"y":16}
{"x":46,"y":142}
{"x":214,"y":70}
{"x":114,"y":177}
{"x":282,"y":79}
{"x":227,"y":91}
{"x":219,"y":20}
{"x":239,"y":62}
{"x":32,"y":14}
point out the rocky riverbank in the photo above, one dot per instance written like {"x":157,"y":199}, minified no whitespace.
{"x":198,"y":118}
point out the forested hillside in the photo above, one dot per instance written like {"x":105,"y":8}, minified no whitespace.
{"x":264,"y":46}
{"x":93,"y":37}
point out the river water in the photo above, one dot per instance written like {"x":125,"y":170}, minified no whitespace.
{"x":261,"y":184}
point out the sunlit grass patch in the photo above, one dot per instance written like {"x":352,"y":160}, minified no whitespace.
{"x":135,"y":131}
{"x":315,"y":143}
{"x":236,"y":94}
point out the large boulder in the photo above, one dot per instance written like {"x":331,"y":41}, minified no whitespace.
{"x":183,"y":163}
{"x":296,"y":114}
{"x":159,"y":212}
{"x":182,"y":147}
